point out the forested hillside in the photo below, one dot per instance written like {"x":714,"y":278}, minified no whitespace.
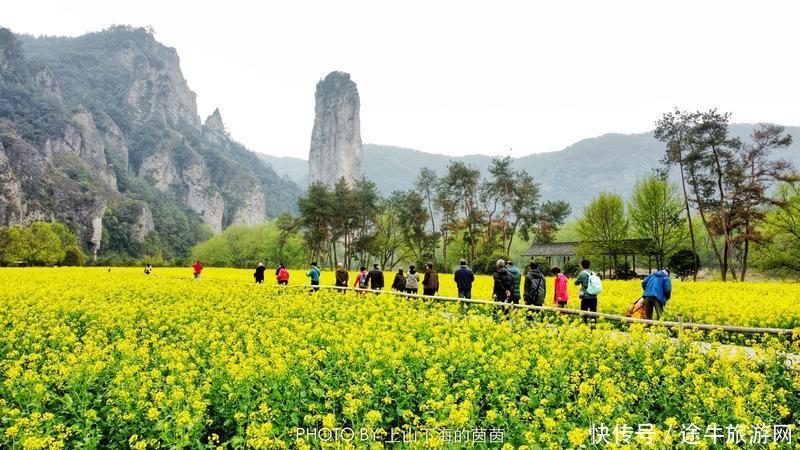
{"x":101,"y":132}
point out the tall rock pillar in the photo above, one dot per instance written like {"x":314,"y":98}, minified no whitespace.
{"x":336,"y":139}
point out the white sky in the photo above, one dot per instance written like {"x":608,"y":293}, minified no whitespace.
{"x":462,"y":77}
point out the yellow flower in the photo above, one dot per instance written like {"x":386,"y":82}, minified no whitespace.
{"x":577,"y":436}
{"x":373,"y":416}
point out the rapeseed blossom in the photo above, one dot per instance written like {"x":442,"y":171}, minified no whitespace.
{"x":116,"y":359}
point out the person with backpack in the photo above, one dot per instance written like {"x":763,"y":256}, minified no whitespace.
{"x":591,"y":286}
{"x":399,"y":283}
{"x":362,"y":281}
{"x":313,"y":274}
{"x":342,"y":277}
{"x":503,"y":285}
{"x":430,"y":282}
{"x":657,"y":290}
{"x":412,"y":280}
{"x":561,"y":295}
{"x":259,"y":273}
{"x":514,"y":271}
{"x":464,"y":277}
{"x":375,"y":278}
{"x":283,"y":276}
{"x":535,"y":286}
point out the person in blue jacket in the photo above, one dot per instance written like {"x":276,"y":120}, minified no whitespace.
{"x":313,"y":273}
{"x":657,"y":290}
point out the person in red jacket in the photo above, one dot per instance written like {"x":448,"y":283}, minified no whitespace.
{"x":198,"y":268}
{"x":362,"y":280}
{"x":283,"y":275}
{"x":561,"y":294}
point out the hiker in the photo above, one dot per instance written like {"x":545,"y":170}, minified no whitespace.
{"x":430,"y":282}
{"x":362,"y":281}
{"x":375,"y":278}
{"x":503,"y":284}
{"x":259,"y":273}
{"x":283,"y":275}
{"x":412,"y":280}
{"x":147,"y":269}
{"x":399,"y":284}
{"x":657,"y":290}
{"x":514,"y":271}
{"x":638,"y":310}
{"x":590,"y":287}
{"x":313,"y":273}
{"x":535,"y":286}
{"x":464,"y":277}
{"x":561,"y":294}
{"x":198,"y":268}
{"x":342,"y":277}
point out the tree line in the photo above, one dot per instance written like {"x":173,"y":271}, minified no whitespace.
{"x":726,"y":182}
{"x":441,"y":219}
{"x":653,"y":215}
{"x":39,"y":244}
{"x":744,"y":199}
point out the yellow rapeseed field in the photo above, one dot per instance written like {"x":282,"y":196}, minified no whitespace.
{"x":757,"y":304}
{"x":97,"y":359}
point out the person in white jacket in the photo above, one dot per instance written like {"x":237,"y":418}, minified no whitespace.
{"x":412,"y":280}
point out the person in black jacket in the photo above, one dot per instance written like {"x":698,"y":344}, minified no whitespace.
{"x":375,"y":278}
{"x":503,"y":284}
{"x":535,"y":288}
{"x":399,"y":284}
{"x":259,"y":273}
{"x":464,"y":279}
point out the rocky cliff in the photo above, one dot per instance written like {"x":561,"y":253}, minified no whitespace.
{"x":101,"y":132}
{"x":336,"y":138}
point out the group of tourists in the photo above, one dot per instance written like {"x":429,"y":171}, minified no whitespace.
{"x":511,"y":286}
{"x":404,"y":281}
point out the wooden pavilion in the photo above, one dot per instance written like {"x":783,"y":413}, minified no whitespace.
{"x":559,"y":253}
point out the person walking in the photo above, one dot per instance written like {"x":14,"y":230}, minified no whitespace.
{"x":412,"y":280}
{"x":283,"y":276}
{"x":514,"y":271}
{"x":147,"y":269}
{"x":375,"y":278}
{"x":503,"y":285}
{"x":430,"y":282}
{"x":198,"y":269}
{"x":590,"y":288}
{"x":399,"y":283}
{"x":657,"y":290}
{"x":362,"y":280}
{"x":535,"y":286}
{"x":313,"y":274}
{"x":464,"y":277}
{"x":259,"y":273}
{"x":561,"y":295}
{"x":342,"y":277}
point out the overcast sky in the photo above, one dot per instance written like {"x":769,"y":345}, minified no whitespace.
{"x":462,"y":77}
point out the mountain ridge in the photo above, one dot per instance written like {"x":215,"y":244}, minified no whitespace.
{"x":562,"y":174}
